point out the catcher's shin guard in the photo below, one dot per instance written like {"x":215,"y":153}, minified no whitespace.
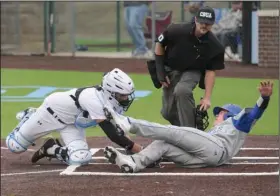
{"x":201,"y":119}
{"x":75,"y":153}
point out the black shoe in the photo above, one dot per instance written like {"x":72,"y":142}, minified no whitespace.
{"x":58,"y":142}
{"x":156,"y":164}
{"x":42,"y":152}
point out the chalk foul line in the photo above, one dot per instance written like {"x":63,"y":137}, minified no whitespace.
{"x":242,"y":149}
{"x":70,"y":169}
{"x":234,"y":158}
{"x":168,"y":174}
{"x":33,"y":172}
{"x":171,"y":163}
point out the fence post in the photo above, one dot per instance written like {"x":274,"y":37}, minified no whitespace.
{"x":52,"y":16}
{"x":73,"y":28}
{"x":182,"y":12}
{"x":153,"y":24}
{"x":118,"y":32}
{"x":46,"y":26}
{"x":17,"y":25}
{"x":246,"y":31}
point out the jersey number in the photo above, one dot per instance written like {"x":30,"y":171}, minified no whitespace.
{"x":160,"y":38}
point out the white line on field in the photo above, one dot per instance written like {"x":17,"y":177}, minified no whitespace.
{"x":30,"y":150}
{"x":239,"y":163}
{"x":272,"y":149}
{"x":72,"y":168}
{"x":94,"y":150}
{"x":259,"y":158}
{"x":170,"y":174}
{"x":234,"y":158}
{"x":69,"y":169}
{"x":33,"y":172}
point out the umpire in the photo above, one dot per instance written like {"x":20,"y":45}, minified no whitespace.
{"x":187,"y":55}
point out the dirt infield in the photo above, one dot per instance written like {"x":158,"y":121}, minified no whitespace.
{"x":251,"y":173}
{"x":20,"y":177}
{"x":127,"y":65}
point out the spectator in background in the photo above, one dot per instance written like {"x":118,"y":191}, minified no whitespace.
{"x":192,"y":7}
{"x":228,"y":28}
{"x":135,"y":13}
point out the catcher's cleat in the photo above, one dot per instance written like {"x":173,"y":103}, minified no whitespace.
{"x":21,"y":114}
{"x":125,"y":162}
{"x":58,"y":142}
{"x":42,"y":152}
{"x":122,"y":123}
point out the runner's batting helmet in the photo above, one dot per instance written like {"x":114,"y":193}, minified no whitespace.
{"x":232,"y":109}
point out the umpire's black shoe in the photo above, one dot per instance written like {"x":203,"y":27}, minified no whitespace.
{"x":42,"y":152}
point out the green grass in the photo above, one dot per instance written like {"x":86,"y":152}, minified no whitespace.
{"x":240,"y":91}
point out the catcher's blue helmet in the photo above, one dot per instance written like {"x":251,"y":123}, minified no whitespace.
{"x":232,"y":109}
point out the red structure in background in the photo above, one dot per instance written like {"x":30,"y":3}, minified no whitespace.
{"x":162,"y":20}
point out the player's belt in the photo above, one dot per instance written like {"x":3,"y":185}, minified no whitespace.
{"x":54,"y":115}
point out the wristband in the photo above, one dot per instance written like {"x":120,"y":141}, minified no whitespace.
{"x":160,"y":67}
{"x":262,"y":102}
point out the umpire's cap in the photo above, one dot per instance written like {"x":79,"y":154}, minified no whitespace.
{"x":232,"y":109}
{"x":206,"y":15}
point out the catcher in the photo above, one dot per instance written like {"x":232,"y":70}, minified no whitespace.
{"x":70,"y":113}
{"x":187,"y":146}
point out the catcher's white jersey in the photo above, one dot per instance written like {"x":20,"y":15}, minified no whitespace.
{"x":59,"y":112}
{"x":90,"y":99}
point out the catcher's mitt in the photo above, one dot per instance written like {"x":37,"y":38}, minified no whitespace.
{"x":201,"y":119}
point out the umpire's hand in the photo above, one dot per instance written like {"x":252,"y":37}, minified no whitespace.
{"x":205,"y":104}
{"x":166,"y":82}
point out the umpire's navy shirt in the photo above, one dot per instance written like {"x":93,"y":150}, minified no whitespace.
{"x":184,"y":51}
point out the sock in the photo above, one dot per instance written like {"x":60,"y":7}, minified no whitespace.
{"x":51,"y":150}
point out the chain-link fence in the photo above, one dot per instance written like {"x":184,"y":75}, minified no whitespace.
{"x":99,"y":26}
{"x":10,"y":24}
{"x":22,"y":27}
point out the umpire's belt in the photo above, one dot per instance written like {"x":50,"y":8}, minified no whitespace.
{"x":54,"y":115}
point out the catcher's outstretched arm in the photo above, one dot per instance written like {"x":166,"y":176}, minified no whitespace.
{"x":112,"y":133}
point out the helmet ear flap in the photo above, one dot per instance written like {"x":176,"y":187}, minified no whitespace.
{"x":228,"y":115}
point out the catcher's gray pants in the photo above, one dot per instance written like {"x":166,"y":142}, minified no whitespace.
{"x":182,"y":145}
{"x":177,"y":101}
